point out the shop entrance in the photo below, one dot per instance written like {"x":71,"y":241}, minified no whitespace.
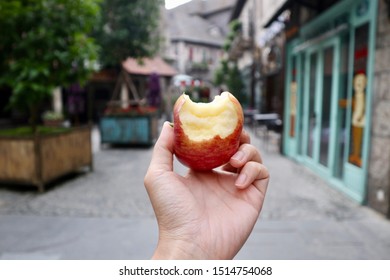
{"x":320,"y":138}
{"x":318,"y":105}
{"x":329,"y":74}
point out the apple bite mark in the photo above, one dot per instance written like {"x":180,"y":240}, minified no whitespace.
{"x":203,"y":121}
{"x":207,"y":134}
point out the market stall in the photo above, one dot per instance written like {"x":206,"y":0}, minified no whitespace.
{"x":131,"y":116}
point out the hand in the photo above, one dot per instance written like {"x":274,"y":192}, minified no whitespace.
{"x":205,"y":215}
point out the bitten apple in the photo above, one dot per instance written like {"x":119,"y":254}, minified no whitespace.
{"x":207,"y":135}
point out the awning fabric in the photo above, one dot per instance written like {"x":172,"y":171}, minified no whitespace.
{"x":148,"y":66}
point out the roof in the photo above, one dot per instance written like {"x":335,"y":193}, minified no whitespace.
{"x":203,"y":7}
{"x":148,"y":66}
{"x":200,"y":22}
{"x":237,"y":9}
{"x":193,"y":28}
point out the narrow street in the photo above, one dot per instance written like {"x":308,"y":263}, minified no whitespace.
{"x":106,"y":214}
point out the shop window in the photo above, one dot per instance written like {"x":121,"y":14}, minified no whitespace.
{"x":326,"y":105}
{"x":312,"y":99}
{"x":358,"y":123}
{"x":342,"y":107}
{"x":293,"y":97}
{"x":301,"y":102}
{"x":190,"y":54}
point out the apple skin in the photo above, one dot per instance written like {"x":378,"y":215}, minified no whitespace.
{"x":207,"y":154}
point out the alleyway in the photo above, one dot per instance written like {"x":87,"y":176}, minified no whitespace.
{"x":106,"y":214}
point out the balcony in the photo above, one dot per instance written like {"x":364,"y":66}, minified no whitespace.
{"x":197,"y":67}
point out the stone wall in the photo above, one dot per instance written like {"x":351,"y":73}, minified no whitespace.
{"x":379,"y":165}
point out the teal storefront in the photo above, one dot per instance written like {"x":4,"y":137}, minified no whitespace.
{"x":328,"y":95}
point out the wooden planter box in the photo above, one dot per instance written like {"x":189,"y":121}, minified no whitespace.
{"x":129,"y":130}
{"x":43,"y":158}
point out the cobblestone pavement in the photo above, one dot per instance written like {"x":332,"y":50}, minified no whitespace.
{"x":114,"y":189}
{"x":302,"y":218}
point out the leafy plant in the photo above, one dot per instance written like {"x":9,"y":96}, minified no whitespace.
{"x":27,"y":131}
{"x":235,"y":26}
{"x":45,"y":44}
{"x":229,"y":75}
{"x":128,"y":29}
{"x":50,"y":115}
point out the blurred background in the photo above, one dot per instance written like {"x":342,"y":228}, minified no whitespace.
{"x":86,"y":85}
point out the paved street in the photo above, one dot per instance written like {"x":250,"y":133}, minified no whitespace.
{"x":106,"y":214}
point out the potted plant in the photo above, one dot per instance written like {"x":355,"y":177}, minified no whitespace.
{"x":51,"y":118}
{"x":133,"y":124}
{"x":46,"y":45}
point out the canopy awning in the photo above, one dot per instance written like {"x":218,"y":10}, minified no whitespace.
{"x":317,"y":6}
{"x":147,"y":66}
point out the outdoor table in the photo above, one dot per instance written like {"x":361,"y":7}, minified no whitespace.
{"x":267,"y":122}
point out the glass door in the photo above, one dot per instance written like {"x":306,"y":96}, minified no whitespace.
{"x":326,"y":104}
{"x":320,"y":106}
{"x":311,"y":110}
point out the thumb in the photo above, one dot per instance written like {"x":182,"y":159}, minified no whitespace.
{"x":162,"y":158}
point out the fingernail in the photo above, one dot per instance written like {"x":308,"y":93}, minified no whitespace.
{"x":239,"y":156}
{"x":241,"y":180}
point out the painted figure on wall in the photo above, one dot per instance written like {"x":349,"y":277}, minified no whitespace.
{"x":358,"y":117}
{"x":293,"y":107}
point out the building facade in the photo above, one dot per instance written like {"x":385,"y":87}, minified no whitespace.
{"x":336,"y":99}
{"x":258,"y":52}
{"x":331,"y":61}
{"x":196,"y":33}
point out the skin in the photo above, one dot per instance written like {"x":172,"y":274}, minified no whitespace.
{"x":205,"y":215}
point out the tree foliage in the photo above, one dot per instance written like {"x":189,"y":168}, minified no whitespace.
{"x":228,"y":73}
{"x":128,"y":28}
{"x":230,"y":76}
{"x":45,"y":44}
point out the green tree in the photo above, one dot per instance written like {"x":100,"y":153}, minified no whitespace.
{"x":128,"y":29}
{"x":235,"y":84}
{"x":45,"y":44}
{"x":229,"y":75}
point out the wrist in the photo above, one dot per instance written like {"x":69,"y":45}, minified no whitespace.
{"x":169,"y":249}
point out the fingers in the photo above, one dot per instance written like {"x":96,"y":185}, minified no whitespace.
{"x":245,"y":138}
{"x":251,"y":170}
{"x":252,"y":173}
{"x":245,"y":153}
{"x":162,"y":158}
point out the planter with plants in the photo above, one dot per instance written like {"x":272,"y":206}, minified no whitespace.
{"x":41,"y":157}
{"x":133,"y":125}
{"x":47,"y":45}
{"x":54,"y":119}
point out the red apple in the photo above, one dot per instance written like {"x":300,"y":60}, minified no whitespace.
{"x":206,"y":135}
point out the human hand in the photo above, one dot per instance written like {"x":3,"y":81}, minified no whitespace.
{"x":205,"y":215}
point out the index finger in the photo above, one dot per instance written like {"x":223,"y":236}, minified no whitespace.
{"x":162,"y":158}
{"x":245,"y":138}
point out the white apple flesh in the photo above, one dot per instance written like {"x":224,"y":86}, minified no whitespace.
{"x":206,"y":135}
